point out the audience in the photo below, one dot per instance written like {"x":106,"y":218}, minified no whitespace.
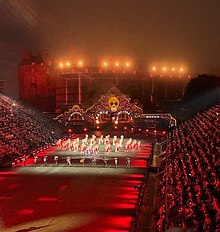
{"x":190,"y":184}
{"x":23,"y":130}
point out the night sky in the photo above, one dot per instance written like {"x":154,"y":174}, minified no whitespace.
{"x":178,"y":31}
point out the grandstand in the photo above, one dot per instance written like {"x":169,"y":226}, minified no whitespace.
{"x":24,"y":130}
{"x":188,"y":182}
{"x":189,"y":186}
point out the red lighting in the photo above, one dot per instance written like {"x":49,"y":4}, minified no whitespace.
{"x":164,"y":132}
{"x":70,"y":130}
{"x":146,"y":130}
{"x":139,"y":129}
{"x":85,"y":129}
{"x":125,"y":128}
{"x":116,"y":127}
{"x":97,"y":127}
{"x":155,"y":131}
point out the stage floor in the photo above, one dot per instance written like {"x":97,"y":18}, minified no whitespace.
{"x":90,"y":198}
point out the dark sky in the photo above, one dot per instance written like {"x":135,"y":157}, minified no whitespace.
{"x":178,"y":31}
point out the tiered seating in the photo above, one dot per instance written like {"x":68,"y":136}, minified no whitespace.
{"x":23,"y":130}
{"x":190,"y":185}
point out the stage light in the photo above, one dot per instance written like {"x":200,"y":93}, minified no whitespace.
{"x":117,"y":64}
{"x":61,"y":65}
{"x":154,"y":68}
{"x":68,"y":64}
{"x":164,"y":69}
{"x":80,"y":63}
{"x":105,"y":64}
{"x":181,"y":69}
{"x":173,"y":69}
{"x":127,"y":64}
{"x":97,"y":121}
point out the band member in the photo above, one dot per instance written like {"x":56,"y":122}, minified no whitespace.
{"x":82,"y":161}
{"x":45,"y":160}
{"x":101,"y":139}
{"x":139,"y":145}
{"x":106,"y":149}
{"x":24,"y":161}
{"x":121,"y":141}
{"x":56,"y":160}
{"x":128,"y":162}
{"x":96,"y":149}
{"x":117,"y":147}
{"x":68,"y":160}
{"x":115,"y":140}
{"x":94,"y":161}
{"x":88,"y":151}
{"x":35,"y":160}
{"x":105,"y":160}
{"x":126,"y":147}
{"x":134,"y":145}
{"x":116,"y":162}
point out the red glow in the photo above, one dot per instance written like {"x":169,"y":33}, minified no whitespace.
{"x":48,"y":199}
{"x":25,"y":211}
{"x":124,"y":206}
{"x":85,"y":129}
{"x":13,"y":186}
{"x":63,"y":187}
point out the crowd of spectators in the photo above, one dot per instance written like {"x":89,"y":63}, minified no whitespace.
{"x":190,"y":182}
{"x":24,"y":130}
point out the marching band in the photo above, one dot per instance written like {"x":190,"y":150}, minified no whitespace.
{"x":91,"y":147}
